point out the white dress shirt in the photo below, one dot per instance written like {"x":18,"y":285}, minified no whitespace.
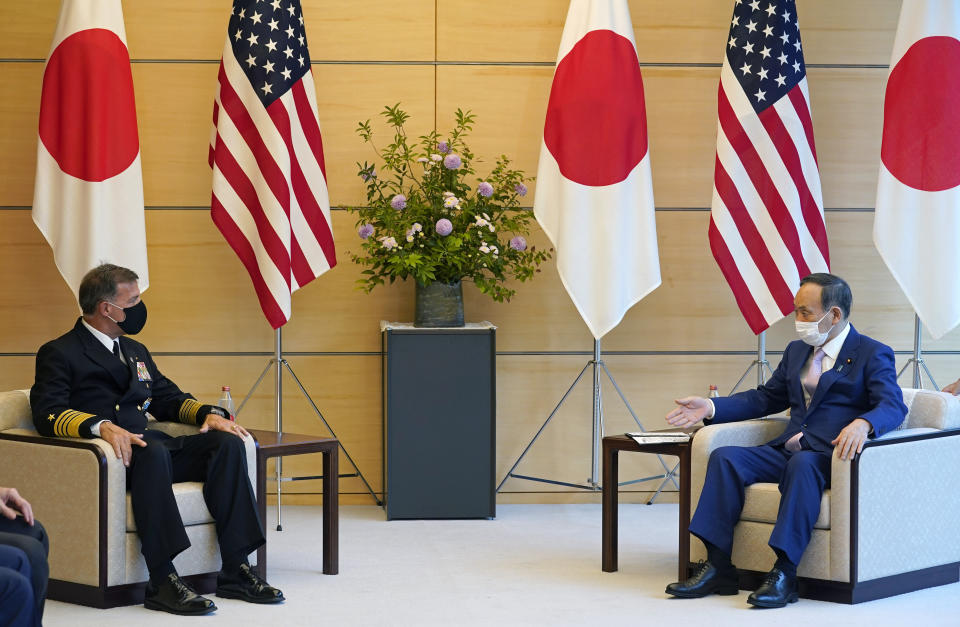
{"x":107,"y":342}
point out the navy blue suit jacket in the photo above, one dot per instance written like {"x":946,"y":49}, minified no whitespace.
{"x":861,"y":384}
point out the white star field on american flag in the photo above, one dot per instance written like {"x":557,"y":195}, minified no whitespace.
{"x":764,"y":49}
{"x":270,"y":42}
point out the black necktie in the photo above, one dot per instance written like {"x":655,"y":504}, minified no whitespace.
{"x":116,"y":349}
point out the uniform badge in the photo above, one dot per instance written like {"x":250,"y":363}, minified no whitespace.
{"x":142,"y":373}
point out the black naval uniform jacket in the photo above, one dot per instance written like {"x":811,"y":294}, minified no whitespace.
{"x":80,"y":382}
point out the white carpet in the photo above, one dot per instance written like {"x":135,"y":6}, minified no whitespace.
{"x":533,"y":565}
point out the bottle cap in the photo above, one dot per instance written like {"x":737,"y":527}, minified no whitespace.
{"x":226,"y":388}
{"x":712,"y":387}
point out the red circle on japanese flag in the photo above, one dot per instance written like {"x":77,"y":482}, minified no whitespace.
{"x":596,"y":127}
{"x":88,"y":119}
{"x":921,"y":116}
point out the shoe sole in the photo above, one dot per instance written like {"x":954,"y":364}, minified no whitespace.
{"x":163,"y":608}
{"x":724,"y":592}
{"x":226,"y":594}
{"x":790,"y":599}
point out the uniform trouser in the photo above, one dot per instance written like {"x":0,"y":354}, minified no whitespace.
{"x":17,"y":605}
{"x":802,"y":476}
{"x":33,"y":541}
{"x":216,"y":458}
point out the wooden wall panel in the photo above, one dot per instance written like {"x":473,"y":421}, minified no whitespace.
{"x":680,"y":31}
{"x":358,"y":31}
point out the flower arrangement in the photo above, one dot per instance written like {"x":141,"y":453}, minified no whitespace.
{"x":429,"y":217}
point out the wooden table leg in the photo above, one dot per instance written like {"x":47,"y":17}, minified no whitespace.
{"x":609,"y":515}
{"x":331,"y":510}
{"x":262,"y":510}
{"x":684,"y":523}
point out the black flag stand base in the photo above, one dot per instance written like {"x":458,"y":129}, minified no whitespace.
{"x":279,"y":363}
{"x":593,"y":482}
{"x":917,"y":359}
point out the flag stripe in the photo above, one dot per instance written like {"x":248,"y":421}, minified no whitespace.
{"x":812,"y":214}
{"x":760,"y":176}
{"x":308,"y":122}
{"x":731,"y":272}
{"x":802,"y":107}
{"x":751,"y":237}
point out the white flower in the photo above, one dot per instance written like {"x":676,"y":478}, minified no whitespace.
{"x":409,"y":238}
{"x":422,"y":160}
{"x":481,"y":222}
{"x":388,"y":242}
{"x":445,"y":194}
{"x":485,"y":216}
{"x":492,"y":229}
{"x":451,"y":201}
{"x":484,"y":249}
{"x":417,"y":227}
{"x":436,"y":157}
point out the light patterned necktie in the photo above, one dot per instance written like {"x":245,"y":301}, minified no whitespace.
{"x":810,"y":385}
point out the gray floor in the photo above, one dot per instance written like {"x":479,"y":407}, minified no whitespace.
{"x":533,"y":565}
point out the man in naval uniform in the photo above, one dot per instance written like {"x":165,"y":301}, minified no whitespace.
{"x":94,"y":381}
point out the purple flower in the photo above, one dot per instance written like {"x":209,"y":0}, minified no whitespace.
{"x":444,"y":227}
{"x":518,"y":243}
{"x":485,"y":189}
{"x":443,"y":147}
{"x":365,"y":231}
{"x":367,"y":175}
{"x":452,"y":161}
{"x":399,"y":202}
{"x":521,"y":189}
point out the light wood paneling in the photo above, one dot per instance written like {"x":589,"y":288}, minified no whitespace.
{"x":680,"y":31}
{"x":362,"y":30}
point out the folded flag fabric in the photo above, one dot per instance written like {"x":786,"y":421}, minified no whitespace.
{"x":88,"y":194}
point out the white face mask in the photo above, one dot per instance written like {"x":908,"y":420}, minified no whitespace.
{"x":810,"y":333}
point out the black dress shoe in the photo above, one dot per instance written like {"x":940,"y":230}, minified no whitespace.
{"x":176,"y":597}
{"x":247,"y":586}
{"x":707,"y":579}
{"x":777,"y":590}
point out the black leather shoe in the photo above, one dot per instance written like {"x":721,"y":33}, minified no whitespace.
{"x":247,"y":586}
{"x":707,"y":579}
{"x":777,"y":590}
{"x":176,"y":597}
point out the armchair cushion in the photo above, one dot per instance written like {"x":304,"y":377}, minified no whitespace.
{"x":193,"y":509}
{"x":763,"y":501}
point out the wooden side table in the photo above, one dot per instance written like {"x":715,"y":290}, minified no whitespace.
{"x":273,"y":444}
{"x":612,"y":445}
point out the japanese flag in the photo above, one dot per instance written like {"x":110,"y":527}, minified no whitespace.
{"x":917,"y":222}
{"x":594,"y":194}
{"x":88,"y":194}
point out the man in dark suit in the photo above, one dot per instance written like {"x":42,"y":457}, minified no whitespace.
{"x":23,"y":562}
{"x":96,"y":382}
{"x":841,"y":388}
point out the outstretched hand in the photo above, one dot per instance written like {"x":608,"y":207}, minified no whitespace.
{"x":689,"y":411}
{"x":953,"y":388}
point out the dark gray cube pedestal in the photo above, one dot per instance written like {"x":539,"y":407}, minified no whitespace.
{"x":439,"y":415}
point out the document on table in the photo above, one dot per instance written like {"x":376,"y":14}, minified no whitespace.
{"x":659,"y":437}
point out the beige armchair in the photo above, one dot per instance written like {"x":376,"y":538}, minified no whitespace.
{"x":78,"y":490}
{"x":890,"y":522}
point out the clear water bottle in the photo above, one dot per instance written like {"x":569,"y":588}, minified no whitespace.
{"x":226,"y":401}
{"x":714,"y":393}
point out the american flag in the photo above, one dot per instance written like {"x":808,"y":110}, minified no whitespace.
{"x":269,"y":182}
{"x":767,"y":229}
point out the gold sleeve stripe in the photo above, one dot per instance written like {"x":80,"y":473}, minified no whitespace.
{"x":188,"y":411}
{"x":68,"y":423}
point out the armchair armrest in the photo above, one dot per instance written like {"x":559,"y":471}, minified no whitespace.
{"x":75,"y":487}
{"x":902,"y":508}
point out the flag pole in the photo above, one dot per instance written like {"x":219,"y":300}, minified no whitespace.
{"x":917,"y":358}
{"x":759,"y":363}
{"x":593,"y":482}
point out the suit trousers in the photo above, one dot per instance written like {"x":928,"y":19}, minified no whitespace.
{"x":18,"y":607}
{"x":216,"y":458}
{"x":33,"y":542}
{"x":802,"y":477}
